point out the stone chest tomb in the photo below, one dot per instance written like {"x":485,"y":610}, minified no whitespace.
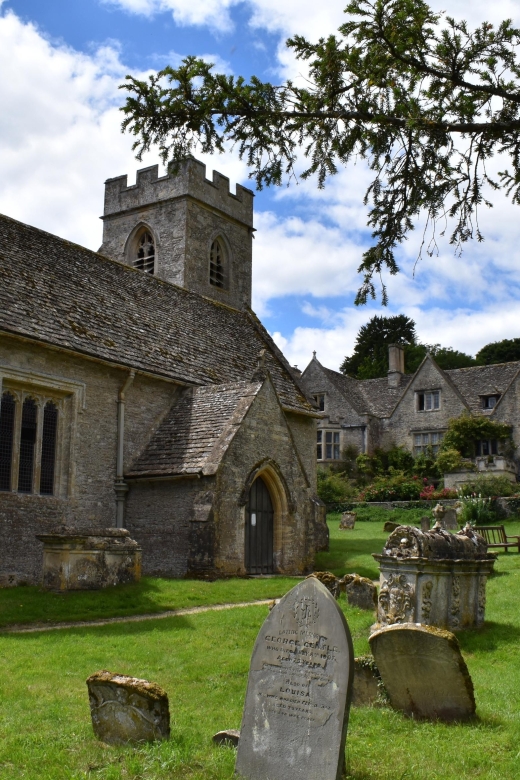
{"x":434,"y":577}
{"x":89,"y":560}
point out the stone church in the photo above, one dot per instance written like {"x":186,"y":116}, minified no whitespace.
{"x":139,"y":390}
{"x":413,"y":410}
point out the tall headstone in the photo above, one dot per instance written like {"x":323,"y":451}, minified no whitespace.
{"x":299,"y":689}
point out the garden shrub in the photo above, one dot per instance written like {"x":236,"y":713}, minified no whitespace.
{"x":478,"y":510}
{"x":333,"y":487}
{"x":397,"y":487}
{"x":451,"y":460}
{"x":488,"y":487}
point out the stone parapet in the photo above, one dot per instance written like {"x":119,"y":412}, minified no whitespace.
{"x":190,"y":179}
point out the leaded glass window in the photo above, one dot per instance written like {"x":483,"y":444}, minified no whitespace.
{"x":27,"y":446}
{"x":7,"y":412}
{"x":48,"y":459}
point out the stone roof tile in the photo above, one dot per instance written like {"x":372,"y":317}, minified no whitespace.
{"x":196,"y":432}
{"x":63,"y":294}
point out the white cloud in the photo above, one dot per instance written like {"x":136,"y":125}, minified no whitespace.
{"x":61,"y":133}
{"x":212,"y":13}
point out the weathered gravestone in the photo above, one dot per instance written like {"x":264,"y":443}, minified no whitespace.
{"x":425,"y":523}
{"x":127,"y":709}
{"x":360,"y":591}
{"x":348,"y":521}
{"x":451,"y":522}
{"x":299,"y":689}
{"x":423,"y":671}
{"x":367,"y":689}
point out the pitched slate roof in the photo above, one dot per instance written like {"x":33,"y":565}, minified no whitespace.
{"x":476,"y":381}
{"x":368,"y":396}
{"x":196,"y":432}
{"x":65,"y":295}
{"x":374,"y":396}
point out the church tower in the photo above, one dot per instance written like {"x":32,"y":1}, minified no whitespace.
{"x":184,"y":229}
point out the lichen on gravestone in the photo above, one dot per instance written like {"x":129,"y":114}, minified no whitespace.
{"x":127,"y":709}
{"x":299,"y":690}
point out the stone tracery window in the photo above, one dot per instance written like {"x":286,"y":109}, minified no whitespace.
{"x":7,"y":413}
{"x":145,"y":253}
{"x":28,"y":443}
{"x":217,"y":261}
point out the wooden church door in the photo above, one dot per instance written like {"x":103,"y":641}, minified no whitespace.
{"x":259,"y":529}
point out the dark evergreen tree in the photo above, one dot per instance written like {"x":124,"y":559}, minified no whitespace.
{"x":370,"y":357}
{"x":499,"y":352}
{"x":426,"y":100}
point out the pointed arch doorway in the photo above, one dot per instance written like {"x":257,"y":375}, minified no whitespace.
{"x":259,"y":529}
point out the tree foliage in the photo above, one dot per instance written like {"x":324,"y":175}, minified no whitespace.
{"x":465,"y":431}
{"x":370,"y":357}
{"x":424,"y":99}
{"x":499,"y":352}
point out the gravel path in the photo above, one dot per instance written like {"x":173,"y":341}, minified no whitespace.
{"x":34,"y":629}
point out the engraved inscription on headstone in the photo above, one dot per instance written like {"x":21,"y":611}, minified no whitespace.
{"x":299,"y":689}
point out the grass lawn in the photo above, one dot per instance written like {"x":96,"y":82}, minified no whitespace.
{"x":202,"y":661}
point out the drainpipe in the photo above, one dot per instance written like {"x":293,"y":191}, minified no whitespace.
{"x":120,"y":485}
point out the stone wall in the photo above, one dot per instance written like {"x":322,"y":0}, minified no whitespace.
{"x":158,"y":516}
{"x":407,"y":420}
{"x":264,"y":441}
{"x":87,"y":443}
{"x":185,"y":213}
{"x":338,"y":410}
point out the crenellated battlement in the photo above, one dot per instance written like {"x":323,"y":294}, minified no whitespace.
{"x":190,"y":180}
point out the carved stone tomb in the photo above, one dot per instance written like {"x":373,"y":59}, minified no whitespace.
{"x":89,"y":560}
{"x":299,"y":689}
{"x":434,"y":577}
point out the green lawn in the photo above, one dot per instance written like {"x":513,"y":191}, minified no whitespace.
{"x":202,"y":662}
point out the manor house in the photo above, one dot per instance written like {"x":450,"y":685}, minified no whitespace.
{"x":139,"y":390}
{"x":411,"y":411}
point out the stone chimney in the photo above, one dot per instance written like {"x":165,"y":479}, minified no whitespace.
{"x":395,"y":364}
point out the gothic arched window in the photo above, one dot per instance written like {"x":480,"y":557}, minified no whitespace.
{"x":7,"y":410}
{"x":27,"y":446}
{"x":217,"y":263}
{"x":48,"y":458}
{"x":145,"y":253}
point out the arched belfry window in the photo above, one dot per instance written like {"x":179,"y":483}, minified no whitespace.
{"x":145,"y":252}
{"x":217,"y":264}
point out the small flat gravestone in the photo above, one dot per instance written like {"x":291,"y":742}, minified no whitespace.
{"x":360,"y":591}
{"x":423,"y":671}
{"x":425,"y":523}
{"x":299,"y":689}
{"x":348,"y":521}
{"x":390,"y":526}
{"x":126,"y":709}
{"x":227,"y":737}
{"x":367,"y":683}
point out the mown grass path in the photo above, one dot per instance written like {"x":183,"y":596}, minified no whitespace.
{"x":22,"y":629}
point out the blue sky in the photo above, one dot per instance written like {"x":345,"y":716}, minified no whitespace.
{"x":61,"y":62}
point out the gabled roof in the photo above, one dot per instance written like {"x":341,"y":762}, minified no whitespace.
{"x":380,"y":398}
{"x":374,"y":396}
{"x":477,"y":381}
{"x":195,"y":434}
{"x":62,"y":294}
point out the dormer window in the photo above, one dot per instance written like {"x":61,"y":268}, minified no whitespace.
{"x":489,"y":401}
{"x":320,"y":401}
{"x":145,"y":254}
{"x":428,"y":401}
{"x":217,"y":264}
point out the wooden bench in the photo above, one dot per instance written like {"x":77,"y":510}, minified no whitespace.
{"x":495,"y":536}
